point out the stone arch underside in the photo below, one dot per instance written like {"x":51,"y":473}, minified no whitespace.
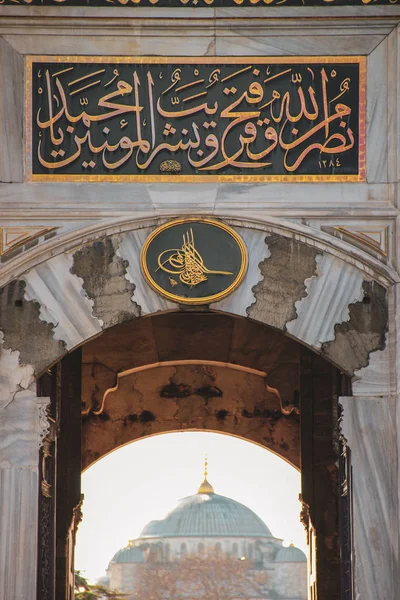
{"x":293,"y":285}
{"x":193,"y":370}
{"x":191,"y":396}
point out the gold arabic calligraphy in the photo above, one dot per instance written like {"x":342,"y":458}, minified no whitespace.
{"x":186,"y":262}
{"x":261,"y":118}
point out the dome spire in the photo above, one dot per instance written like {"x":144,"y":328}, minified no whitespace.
{"x":206,"y":487}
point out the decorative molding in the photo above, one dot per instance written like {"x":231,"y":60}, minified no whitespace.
{"x":376,"y":237}
{"x":44,"y":422}
{"x":13,"y":376}
{"x":71,"y":240}
{"x":12,"y":238}
{"x":20,"y":433}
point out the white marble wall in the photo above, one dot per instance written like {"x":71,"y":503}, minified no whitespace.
{"x":22,"y":426}
{"x":63,"y":301}
{"x":369,"y":425}
{"x":329,"y":294}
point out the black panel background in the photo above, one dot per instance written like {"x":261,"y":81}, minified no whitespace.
{"x":310,"y":166}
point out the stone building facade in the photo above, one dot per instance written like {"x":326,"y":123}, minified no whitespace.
{"x":208,"y":525}
{"x":313,"y":326}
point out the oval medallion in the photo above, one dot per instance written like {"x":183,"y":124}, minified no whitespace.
{"x":194,"y":260}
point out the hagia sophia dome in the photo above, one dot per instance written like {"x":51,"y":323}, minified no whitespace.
{"x":205,"y":521}
{"x":208,"y":514}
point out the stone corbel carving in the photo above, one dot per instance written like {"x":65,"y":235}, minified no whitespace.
{"x":46,"y":438}
{"x":44,"y":422}
{"x":305,"y":517}
{"x":23,"y":425}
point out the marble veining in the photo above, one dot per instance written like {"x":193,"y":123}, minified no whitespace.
{"x":329,"y":294}
{"x":18,"y":526}
{"x":129,"y":249}
{"x":376,"y":379}
{"x":63,"y":301}
{"x":21,"y":429}
{"x":257,"y":249}
{"x":369,"y":425}
{"x":13,"y":376}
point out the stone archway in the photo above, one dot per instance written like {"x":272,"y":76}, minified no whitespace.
{"x":161,"y":373}
{"x":94,"y":283}
{"x":67,"y":295}
{"x":176,"y":371}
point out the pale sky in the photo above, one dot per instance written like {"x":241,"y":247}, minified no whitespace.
{"x":143,"y":481}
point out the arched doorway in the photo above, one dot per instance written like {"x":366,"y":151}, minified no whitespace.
{"x":194,"y":370}
{"x":149,"y":478}
{"x":330,"y":298}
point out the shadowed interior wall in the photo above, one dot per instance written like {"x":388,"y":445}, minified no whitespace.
{"x":191,"y":396}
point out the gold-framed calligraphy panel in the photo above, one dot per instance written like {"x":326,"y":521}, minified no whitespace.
{"x":195,"y":119}
{"x":194,"y":260}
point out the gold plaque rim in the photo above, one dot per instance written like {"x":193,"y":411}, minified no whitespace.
{"x":195,"y":301}
{"x":359,"y":177}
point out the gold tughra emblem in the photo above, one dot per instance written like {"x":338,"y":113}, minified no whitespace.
{"x":180,"y":255}
{"x":186,"y":262}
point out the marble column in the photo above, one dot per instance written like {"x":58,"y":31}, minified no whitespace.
{"x":23,"y":424}
{"x":369,"y":426}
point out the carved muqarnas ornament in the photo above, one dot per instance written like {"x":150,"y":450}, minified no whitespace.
{"x":194,"y":261}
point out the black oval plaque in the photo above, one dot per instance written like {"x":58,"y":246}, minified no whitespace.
{"x":194,"y":260}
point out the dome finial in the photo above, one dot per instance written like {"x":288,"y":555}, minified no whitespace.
{"x":206,"y":487}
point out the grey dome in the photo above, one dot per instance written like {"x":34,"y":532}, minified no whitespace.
{"x":130,"y":554}
{"x":208,"y":515}
{"x":290,"y":554}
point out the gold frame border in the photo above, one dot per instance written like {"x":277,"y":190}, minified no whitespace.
{"x":24,"y":241}
{"x":203,"y":60}
{"x":364,"y":239}
{"x":195,"y":301}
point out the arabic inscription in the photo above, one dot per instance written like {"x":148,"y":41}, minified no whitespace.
{"x":255,"y":119}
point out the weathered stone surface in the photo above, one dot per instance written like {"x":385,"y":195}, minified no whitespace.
{"x":24,"y":331}
{"x":190,"y":336}
{"x":191,"y":396}
{"x":363,"y":333}
{"x":13,"y":376}
{"x":283,"y":283}
{"x":103,"y":274}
